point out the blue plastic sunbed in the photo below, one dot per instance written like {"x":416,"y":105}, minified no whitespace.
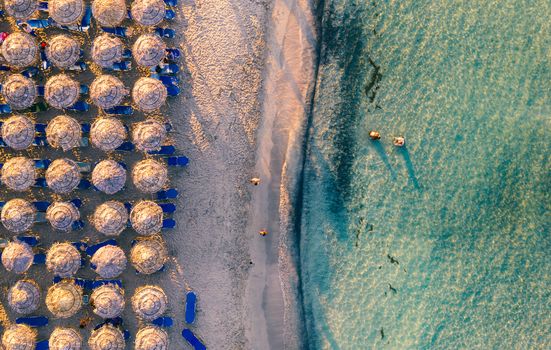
{"x":193,"y":340}
{"x":191,"y":299}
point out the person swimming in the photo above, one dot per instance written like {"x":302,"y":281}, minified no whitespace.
{"x":392,"y":289}
{"x":374,"y":135}
{"x":399,"y":141}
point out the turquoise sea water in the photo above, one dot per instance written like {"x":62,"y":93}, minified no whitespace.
{"x":463,"y":209}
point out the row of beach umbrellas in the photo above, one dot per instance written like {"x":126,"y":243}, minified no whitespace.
{"x":109,"y":13}
{"x":148,"y":255}
{"x":110,"y":218}
{"x":106,"y":133}
{"x":21,"y":50}
{"x":61,"y":92}
{"x":106,"y":337}
{"x":64,"y":175}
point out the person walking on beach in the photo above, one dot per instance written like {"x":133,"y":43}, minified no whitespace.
{"x":263,"y":232}
{"x":255,"y":181}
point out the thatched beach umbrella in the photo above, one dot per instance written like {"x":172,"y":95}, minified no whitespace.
{"x":149,"y":255}
{"x":19,"y":337}
{"x":107,"y":301}
{"x":19,"y":173}
{"x":63,"y":51}
{"x":21,"y":9}
{"x":65,"y":339}
{"x":61,"y":91}
{"x":149,"y":50}
{"x":149,"y":302}
{"x":64,"y":132}
{"x":17,"y":257}
{"x":151,"y":338}
{"x":149,"y":175}
{"x":110,"y":218}
{"x":109,"y":176}
{"x":107,"y":91}
{"x":148,"y":135}
{"x":64,"y":299}
{"x":66,"y":12}
{"x":63,"y":260}
{"x":24,"y":296}
{"x":107,"y":133}
{"x":20,"y":49}
{"x":109,"y":13}
{"x":18,"y":215}
{"x":109,"y":261}
{"x":63,"y":175}
{"x":149,"y":94}
{"x":62,"y":215}
{"x":18,"y":132}
{"x":146,"y":218}
{"x":19,"y":91}
{"x":148,"y":12}
{"x":107,"y":50}
{"x":107,"y":337}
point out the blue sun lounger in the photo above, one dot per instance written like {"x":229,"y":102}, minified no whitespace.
{"x":193,"y":340}
{"x":191,"y":300}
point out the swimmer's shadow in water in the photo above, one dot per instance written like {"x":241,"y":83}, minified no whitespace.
{"x":378,"y":146}
{"x":409,"y":166}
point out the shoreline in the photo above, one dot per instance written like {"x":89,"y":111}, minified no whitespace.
{"x":274,"y":317}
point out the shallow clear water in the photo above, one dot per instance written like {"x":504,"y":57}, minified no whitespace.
{"x":464,"y":208}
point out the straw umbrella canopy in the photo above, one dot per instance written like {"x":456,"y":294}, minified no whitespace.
{"x":109,"y":13}
{"x":151,"y":338}
{"x":109,"y":176}
{"x":149,"y":255}
{"x":107,"y":133}
{"x":65,"y":339}
{"x":107,"y":50}
{"x":108,"y":301}
{"x":64,"y":299}
{"x":64,"y":132}
{"x":18,"y":215}
{"x":148,"y":135}
{"x":19,"y":337}
{"x":20,"y":49}
{"x":107,"y":337}
{"x":149,"y":302}
{"x":61,"y":91}
{"x":146,"y":218}
{"x":17,"y":257}
{"x":109,"y":261}
{"x":63,"y":51}
{"x":19,"y":173}
{"x":148,"y":12}
{"x":149,"y":50}
{"x":110,"y":218}
{"x":24,"y":296}
{"x":21,"y":9}
{"x":19,"y":91}
{"x":149,"y":175}
{"x":63,"y":260}
{"x":149,"y":94}
{"x":62,"y":215}
{"x":63,"y":175}
{"x":107,"y":91}
{"x":66,"y":12}
{"x":18,"y":132}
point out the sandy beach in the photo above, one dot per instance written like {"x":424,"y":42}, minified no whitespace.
{"x":241,"y":60}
